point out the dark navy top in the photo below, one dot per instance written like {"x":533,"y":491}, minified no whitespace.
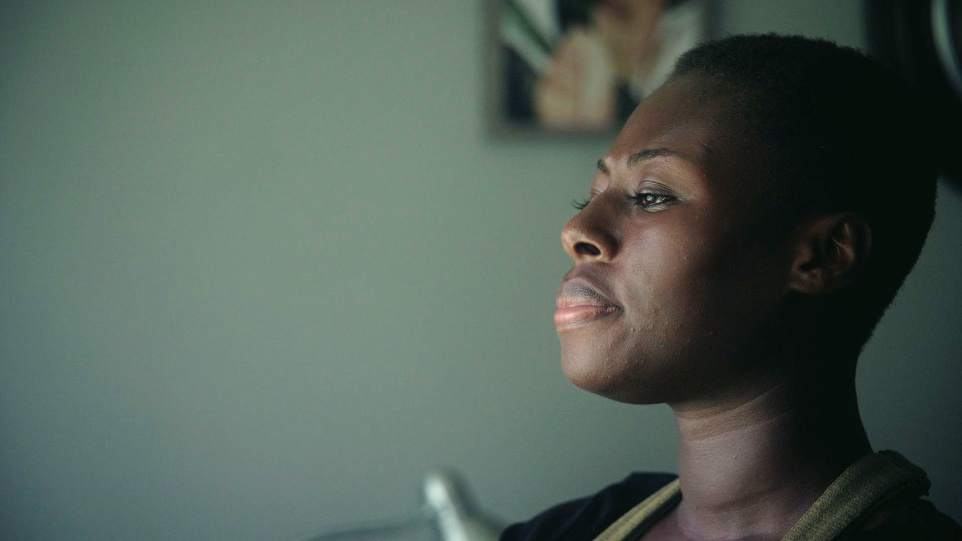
{"x":585,"y":518}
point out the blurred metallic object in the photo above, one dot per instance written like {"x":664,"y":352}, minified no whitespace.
{"x":458,"y":518}
{"x":922,"y":40}
{"x":448,"y":506}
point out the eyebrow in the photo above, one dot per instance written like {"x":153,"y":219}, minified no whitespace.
{"x":641,"y":156}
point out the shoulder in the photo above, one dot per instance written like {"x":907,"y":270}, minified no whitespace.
{"x":920,"y":520}
{"x":587,"y":517}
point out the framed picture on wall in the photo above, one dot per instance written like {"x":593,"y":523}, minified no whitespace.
{"x":576,"y":66}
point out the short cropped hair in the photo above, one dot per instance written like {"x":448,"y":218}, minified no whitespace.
{"x":842,"y":133}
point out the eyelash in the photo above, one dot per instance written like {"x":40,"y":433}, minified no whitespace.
{"x":580,"y":204}
{"x":639,"y":198}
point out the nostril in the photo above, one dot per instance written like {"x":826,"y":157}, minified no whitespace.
{"x":584,"y":248}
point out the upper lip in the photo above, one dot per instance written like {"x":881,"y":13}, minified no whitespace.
{"x":581,"y":292}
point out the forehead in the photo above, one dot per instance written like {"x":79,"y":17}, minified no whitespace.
{"x":681,"y":116}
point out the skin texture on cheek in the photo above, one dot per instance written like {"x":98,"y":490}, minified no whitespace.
{"x":640,"y":355}
{"x":692,"y":301}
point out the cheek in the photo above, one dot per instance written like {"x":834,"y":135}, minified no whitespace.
{"x":672,"y":274}
{"x":677,"y":321}
{"x":691,"y":306}
{"x":705,"y":313}
{"x":661,"y":282}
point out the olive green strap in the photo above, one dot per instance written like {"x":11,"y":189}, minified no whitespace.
{"x":644,"y":514}
{"x":868,"y":483}
{"x":863,"y":487}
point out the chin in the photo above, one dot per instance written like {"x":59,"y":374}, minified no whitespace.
{"x":608,"y":377}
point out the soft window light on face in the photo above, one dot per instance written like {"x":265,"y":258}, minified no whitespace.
{"x":676,"y":268}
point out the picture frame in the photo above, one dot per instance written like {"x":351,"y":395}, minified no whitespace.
{"x":581,"y":66}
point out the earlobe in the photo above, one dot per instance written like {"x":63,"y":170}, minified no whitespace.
{"x":831,"y":252}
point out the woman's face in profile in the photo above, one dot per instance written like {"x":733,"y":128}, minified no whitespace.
{"x":677,"y":280}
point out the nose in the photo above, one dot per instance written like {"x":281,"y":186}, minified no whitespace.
{"x":590,"y":235}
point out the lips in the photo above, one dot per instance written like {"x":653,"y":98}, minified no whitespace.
{"x":580,"y":302}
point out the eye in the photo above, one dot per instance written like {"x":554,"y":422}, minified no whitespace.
{"x":647,"y":199}
{"x":580,"y":204}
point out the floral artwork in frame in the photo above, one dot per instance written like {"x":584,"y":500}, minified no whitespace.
{"x":571,"y":66}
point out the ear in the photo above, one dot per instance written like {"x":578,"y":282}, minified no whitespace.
{"x":830,"y":252}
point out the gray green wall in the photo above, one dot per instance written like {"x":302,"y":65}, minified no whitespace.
{"x":262,"y":269}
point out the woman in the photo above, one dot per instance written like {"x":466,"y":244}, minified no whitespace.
{"x":742,"y":238}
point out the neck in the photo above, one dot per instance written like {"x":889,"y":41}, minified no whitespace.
{"x":751,"y":466}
